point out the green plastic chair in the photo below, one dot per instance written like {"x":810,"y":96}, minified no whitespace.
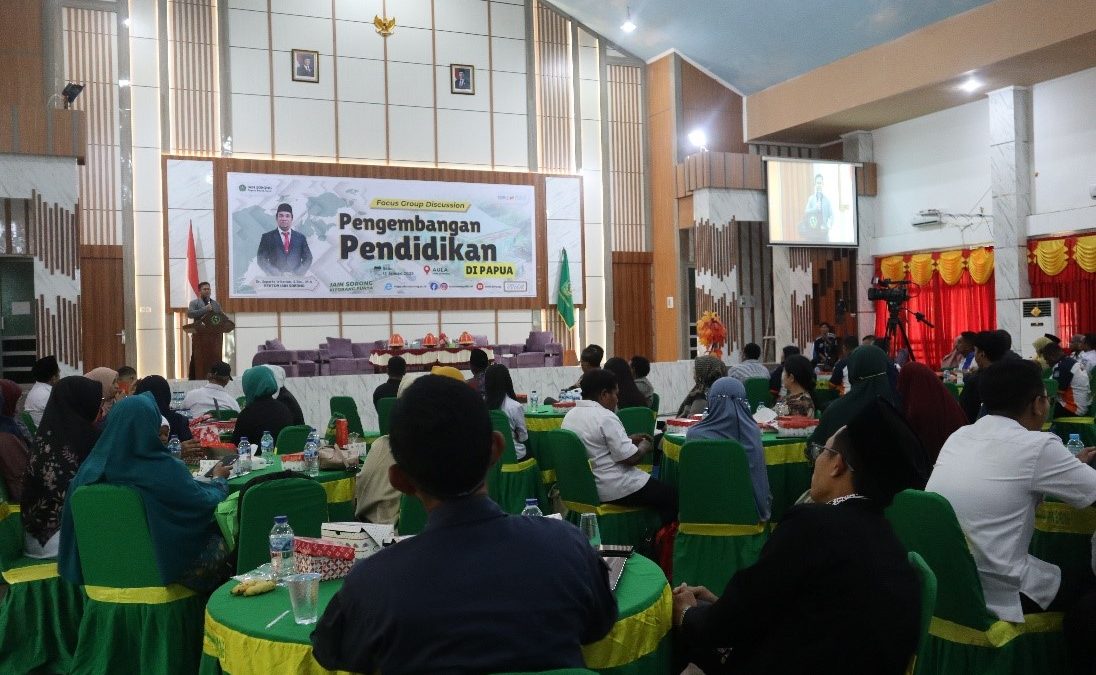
{"x":637,"y":420}
{"x":40,"y":612}
{"x":303,"y":500}
{"x":719,"y":531}
{"x":132,"y":622}
{"x":757,"y":391}
{"x":241,"y":401}
{"x":928,"y":602}
{"x":28,"y":422}
{"x":624,"y":525}
{"x":953,"y":388}
{"x":654,"y":402}
{"x":510,"y":482}
{"x":384,"y":413}
{"x":964,"y":636}
{"x":412,"y":516}
{"x":224,"y":414}
{"x":348,"y":408}
{"x":560,"y":671}
{"x":291,"y":439}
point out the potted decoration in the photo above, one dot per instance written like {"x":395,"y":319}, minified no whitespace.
{"x":396,"y":341}
{"x":466,"y":339}
{"x":711,"y":333}
{"x":429,"y":341}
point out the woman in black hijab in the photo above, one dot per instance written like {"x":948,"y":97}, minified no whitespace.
{"x":64,"y":439}
{"x":161,"y":392}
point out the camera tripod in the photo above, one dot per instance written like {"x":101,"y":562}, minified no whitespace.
{"x":896,"y":329}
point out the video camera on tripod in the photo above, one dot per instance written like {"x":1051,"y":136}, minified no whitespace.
{"x":889,"y":291}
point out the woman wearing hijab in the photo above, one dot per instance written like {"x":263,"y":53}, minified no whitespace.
{"x":931,"y":410}
{"x":287,"y":399}
{"x":13,"y":441}
{"x":729,"y":418}
{"x":161,"y":393}
{"x":628,"y":394}
{"x":188,"y":546}
{"x":498,"y":391}
{"x":706,"y":370}
{"x":63,"y":442}
{"x":868,"y":379}
{"x":108,"y":380}
{"x":262,"y":412}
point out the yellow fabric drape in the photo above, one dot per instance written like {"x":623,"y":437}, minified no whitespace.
{"x":921,"y":268}
{"x":720,"y":529}
{"x":951,"y":265}
{"x":603,"y":510}
{"x":150,"y":595}
{"x":1084,"y":253}
{"x":534,"y":424}
{"x":632,"y":637}
{"x":339,"y":491}
{"x":785,"y":453}
{"x":242,"y":654}
{"x":21,"y":575}
{"x":1063,"y":518}
{"x":520,"y":466}
{"x":999,"y":634}
{"x":1051,"y":256}
{"x":980,"y":265}
{"x":892,"y":267}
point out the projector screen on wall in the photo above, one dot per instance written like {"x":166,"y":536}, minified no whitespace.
{"x":811,"y":203}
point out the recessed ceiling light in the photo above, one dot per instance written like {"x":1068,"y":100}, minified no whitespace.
{"x":698,"y":138}
{"x":628,"y":26}
{"x":971,"y":85}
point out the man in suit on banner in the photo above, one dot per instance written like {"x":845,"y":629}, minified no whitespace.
{"x":281,"y":250}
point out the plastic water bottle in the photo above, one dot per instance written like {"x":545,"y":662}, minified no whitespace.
{"x":1075,"y":445}
{"x":534,"y":400}
{"x":267,"y":444}
{"x":243,"y":456}
{"x":531,"y":508}
{"x":174,"y":447}
{"x":281,"y":549}
{"x":177,"y":400}
{"x":761,"y":407}
{"x":311,"y":455}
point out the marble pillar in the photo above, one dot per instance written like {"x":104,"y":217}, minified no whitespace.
{"x":858,"y":146}
{"x":1010,"y":125}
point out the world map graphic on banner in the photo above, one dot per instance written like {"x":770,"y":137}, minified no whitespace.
{"x":331,"y":237}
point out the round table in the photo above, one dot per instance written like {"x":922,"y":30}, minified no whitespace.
{"x":339,"y":486}
{"x":537,"y":421}
{"x":238,"y":642}
{"x":785,"y":458}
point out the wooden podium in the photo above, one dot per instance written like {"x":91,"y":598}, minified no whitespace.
{"x":206,"y":342}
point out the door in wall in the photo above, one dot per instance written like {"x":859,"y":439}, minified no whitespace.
{"x":632,"y":310}
{"x":18,"y":342}
{"x":102,"y":306}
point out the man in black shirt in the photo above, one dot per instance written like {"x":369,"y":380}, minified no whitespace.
{"x":397,"y":368}
{"x":478,"y":591}
{"x":990,"y":346}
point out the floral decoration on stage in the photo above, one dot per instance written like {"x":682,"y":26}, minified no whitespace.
{"x":711,"y":333}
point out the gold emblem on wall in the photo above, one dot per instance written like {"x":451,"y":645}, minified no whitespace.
{"x":384,"y":26}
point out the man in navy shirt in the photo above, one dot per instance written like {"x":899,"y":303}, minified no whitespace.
{"x":478,"y":591}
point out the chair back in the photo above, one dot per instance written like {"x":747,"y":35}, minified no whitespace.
{"x":412,"y":515}
{"x":757,"y":391}
{"x":926,"y":524}
{"x":384,"y":413}
{"x":928,"y":596}
{"x":241,"y":401}
{"x":11,"y":530}
{"x":224,"y":414}
{"x":1052,"y":387}
{"x":291,"y":439}
{"x":654,"y":402}
{"x":348,"y":408}
{"x":28,"y":422}
{"x":714,"y":484}
{"x":500,"y":423}
{"x":573,"y":475}
{"x":110,"y":520}
{"x":953,"y":388}
{"x":637,"y":420}
{"x":302,"y":500}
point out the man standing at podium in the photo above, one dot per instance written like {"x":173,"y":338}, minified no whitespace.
{"x":203,"y":305}
{"x":282,"y":250}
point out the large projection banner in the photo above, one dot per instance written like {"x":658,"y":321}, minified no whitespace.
{"x":337,"y":237}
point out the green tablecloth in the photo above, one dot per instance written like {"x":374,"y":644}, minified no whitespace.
{"x":339,"y":486}
{"x":785,"y":458}
{"x":238,"y":642}
{"x":539,"y":420}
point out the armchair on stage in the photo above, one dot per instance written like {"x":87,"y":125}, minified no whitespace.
{"x":206,"y":339}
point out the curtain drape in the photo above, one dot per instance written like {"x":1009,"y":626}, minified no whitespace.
{"x":953,"y":289}
{"x":1065,"y":268}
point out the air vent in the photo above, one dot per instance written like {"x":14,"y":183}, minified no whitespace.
{"x":1037,"y":308}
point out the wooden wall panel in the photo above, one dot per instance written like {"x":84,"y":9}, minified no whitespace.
{"x":193,"y":72}
{"x":833,"y":277}
{"x":706,"y":104}
{"x":555,"y":105}
{"x":632,"y":303}
{"x":666,"y":268}
{"x":627,"y":170}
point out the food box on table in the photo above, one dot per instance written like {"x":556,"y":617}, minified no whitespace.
{"x":563,"y":405}
{"x":330,"y":559}
{"x":293,"y":461}
{"x":795,"y":426}
{"x":678,"y":425}
{"x":366,"y":538}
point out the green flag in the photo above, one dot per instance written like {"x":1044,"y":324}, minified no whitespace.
{"x":565,"y":304}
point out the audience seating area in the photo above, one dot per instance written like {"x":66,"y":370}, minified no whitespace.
{"x":342,"y":356}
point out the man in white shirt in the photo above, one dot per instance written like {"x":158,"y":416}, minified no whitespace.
{"x":751,"y":366}
{"x":1087,"y":357}
{"x":212,"y":396}
{"x":613,"y":454}
{"x":995,"y":472}
{"x":46,"y":373}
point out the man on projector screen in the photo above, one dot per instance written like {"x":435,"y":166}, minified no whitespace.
{"x":281,"y":250}
{"x":817,"y":215}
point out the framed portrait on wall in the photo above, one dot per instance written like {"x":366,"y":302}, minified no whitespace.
{"x":306,"y":65}
{"x":462,"y":79}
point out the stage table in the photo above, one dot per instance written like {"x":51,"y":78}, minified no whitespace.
{"x":238,"y":642}
{"x":428,"y":357}
{"x":785,"y":458}
{"x":339,"y":486}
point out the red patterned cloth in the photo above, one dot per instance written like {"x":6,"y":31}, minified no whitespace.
{"x":331,"y":560}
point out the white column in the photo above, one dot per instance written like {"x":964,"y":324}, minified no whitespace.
{"x":1010,"y":126}
{"x":858,"y":146}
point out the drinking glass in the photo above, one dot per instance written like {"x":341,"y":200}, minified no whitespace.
{"x":588,"y":524}
{"x":304,"y":593}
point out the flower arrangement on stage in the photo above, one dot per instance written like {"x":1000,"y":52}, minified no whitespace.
{"x":711,"y":333}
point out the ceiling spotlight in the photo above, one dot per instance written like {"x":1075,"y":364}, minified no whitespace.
{"x":971,"y":85}
{"x":71,"y":92}
{"x":699,"y":139}
{"x":628,"y":26}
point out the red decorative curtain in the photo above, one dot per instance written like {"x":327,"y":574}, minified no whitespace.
{"x":1065,"y":268}
{"x":953,"y":289}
